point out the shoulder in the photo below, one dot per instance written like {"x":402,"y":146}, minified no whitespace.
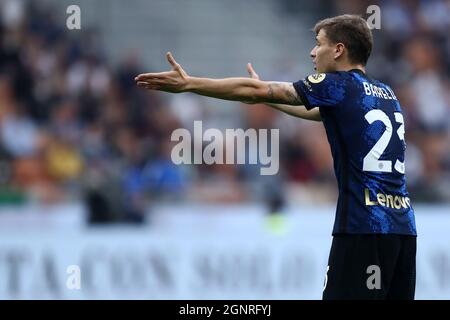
{"x":329,"y":79}
{"x":328,"y":76}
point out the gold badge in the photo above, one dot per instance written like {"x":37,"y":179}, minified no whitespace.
{"x":316,"y":78}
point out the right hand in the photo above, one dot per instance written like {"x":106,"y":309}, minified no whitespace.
{"x":170,"y":81}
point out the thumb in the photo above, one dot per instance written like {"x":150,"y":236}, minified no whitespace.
{"x":252,"y":71}
{"x":172,"y":61}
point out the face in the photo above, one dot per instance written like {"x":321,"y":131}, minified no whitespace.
{"x":324,"y":54}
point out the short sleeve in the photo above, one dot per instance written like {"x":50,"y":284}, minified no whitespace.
{"x":321,"y":90}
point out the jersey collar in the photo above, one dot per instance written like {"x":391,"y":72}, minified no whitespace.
{"x":358,"y":71}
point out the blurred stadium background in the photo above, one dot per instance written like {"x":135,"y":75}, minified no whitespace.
{"x":86,"y":177}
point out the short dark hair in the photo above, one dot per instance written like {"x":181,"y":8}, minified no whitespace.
{"x":351,"y":30}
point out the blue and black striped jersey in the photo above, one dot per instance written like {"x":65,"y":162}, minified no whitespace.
{"x":366,"y":131}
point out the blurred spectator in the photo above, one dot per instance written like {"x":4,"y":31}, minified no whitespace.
{"x":74,"y":126}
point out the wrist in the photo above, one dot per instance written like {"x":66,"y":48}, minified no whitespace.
{"x":189,"y":84}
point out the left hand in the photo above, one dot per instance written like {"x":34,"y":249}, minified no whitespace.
{"x":252,"y":73}
{"x":174,"y":81}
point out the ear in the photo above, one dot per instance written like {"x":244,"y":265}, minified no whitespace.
{"x":339,"y":50}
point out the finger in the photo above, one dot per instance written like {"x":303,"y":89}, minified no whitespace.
{"x":252,"y":71}
{"x":145,"y":76}
{"x":155,"y":82}
{"x":172,"y":61}
{"x":249,"y":69}
{"x":148,"y":86}
{"x":142,"y":84}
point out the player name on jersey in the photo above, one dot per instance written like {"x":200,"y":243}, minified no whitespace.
{"x":385,"y":93}
{"x":387,"y":200}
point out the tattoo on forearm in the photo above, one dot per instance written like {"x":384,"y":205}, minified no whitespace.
{"x":292,"y":96}
{"x":271,"y":91}
{"x":287,"y":93}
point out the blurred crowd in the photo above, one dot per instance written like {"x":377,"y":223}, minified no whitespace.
{"x":74,"y":126}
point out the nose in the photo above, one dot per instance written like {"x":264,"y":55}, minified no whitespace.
{"x":313,"y":53}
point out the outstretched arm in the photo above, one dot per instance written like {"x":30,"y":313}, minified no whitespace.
{"x":236,"y":89}
{"x":298,"y":111}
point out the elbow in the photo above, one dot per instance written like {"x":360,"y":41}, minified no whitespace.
{"x":252,"y":96}
{"x":253,"y":92}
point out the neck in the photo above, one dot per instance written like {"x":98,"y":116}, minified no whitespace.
{"x":348,"y":67}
